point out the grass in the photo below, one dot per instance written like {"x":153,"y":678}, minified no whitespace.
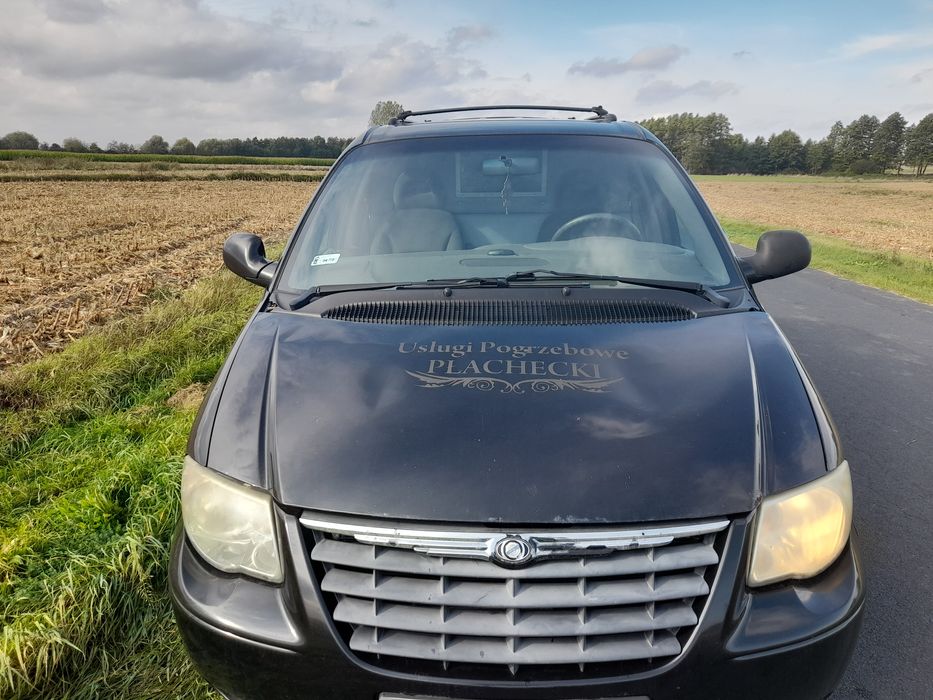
{"x":169,"y":158}
{"x":829,"y":177}
{"x":90,"y":457}
{"x":903,"y":274}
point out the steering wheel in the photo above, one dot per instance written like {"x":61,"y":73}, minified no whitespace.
{"x":625,"y":227}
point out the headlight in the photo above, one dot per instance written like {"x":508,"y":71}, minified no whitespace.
{"x":800,"y":532}
{"x":231,"y":525}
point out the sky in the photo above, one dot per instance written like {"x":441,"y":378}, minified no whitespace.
{"x":103,"y":70}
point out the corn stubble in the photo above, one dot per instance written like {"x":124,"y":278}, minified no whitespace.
{"x":76,"y":254}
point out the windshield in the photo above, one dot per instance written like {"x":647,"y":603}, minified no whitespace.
{"x":490,"y":206}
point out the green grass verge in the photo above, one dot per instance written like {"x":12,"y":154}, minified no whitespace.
{"x":906,"y":275}
{"x":170,"y":158}
{"x":90,"y":457}
{"x":840,"y":178}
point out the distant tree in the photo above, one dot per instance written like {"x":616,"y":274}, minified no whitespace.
{"x":94,"y":148}
{"x":674,"y":131}
{"x":834,"y":144}
{"x":857,"y":142}
{"x":757,"y":161}
{"x":154,"y":144}
{"x":120,"y":147}
{"x":813,"y":156}
{"x":918,"y":150}
{"x":55,"y":147}
{"x":818,"y":156}
{"x":74,"y":145}
{"x":786,"y":152}
{"x":20,"y":140}
{"x":334,"y":146}
{"x":698,"y":154}
{"x":184,"y":147}
{"x":704,"y":144}
{"x":836,"y":134}
{"x":209,"y":147}
{"x":733,"y":154}
{"x":888,"y":147}
{"x":384,"y":111}
{"x":863,"y":166}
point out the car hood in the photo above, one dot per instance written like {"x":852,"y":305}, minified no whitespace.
{"x":621,"y":423}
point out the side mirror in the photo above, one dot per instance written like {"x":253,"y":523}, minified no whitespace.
{"x":778,"y":253}
{"x":245,"y":256}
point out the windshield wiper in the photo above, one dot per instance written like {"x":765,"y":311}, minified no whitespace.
{"x":291,"y":303}
{"x":702,"y":290}
{"x":304,"y":298}
{"x":296,"y":302}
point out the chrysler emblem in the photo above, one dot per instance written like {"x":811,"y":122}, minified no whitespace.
{"x":513,"y":551}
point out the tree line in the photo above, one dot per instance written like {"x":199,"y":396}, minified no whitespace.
{"x":707,"y":145}
{"x":279,"y":147}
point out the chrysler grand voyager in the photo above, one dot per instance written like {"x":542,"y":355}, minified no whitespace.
{"x":510,"y":422}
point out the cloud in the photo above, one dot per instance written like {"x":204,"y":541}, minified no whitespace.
{"x":75,"y":11}
{"x":368,"y":22}
{"x":875,"y":43}
{"x":192,"y":42}
{"x":665,"y":90}
{"x":653,"y":58}
{"x":399,"y":65}
{"x":464,"y":36}
{"x":739,"y":55}
{"x":922,"y":76}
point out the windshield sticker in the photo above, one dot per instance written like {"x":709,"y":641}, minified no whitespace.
{"x":513,"y":369}
{"x":329,"y":259}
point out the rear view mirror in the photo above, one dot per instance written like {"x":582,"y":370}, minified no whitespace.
{"x":778,"y":253}
{"x":245,"y":256}
{"x":505,"y":165}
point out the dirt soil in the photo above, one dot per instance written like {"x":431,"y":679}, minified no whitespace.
{"x":75,"y":254}
{"x":880,"y":214}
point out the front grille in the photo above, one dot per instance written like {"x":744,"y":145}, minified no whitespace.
{"x":510,"y":312}
{"x":603,"y":612}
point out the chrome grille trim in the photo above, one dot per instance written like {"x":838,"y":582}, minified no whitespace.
{"x":592,"y":595}
{"x":479,"y":543}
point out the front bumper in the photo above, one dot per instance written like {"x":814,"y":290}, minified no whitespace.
{"x":254,"y":640}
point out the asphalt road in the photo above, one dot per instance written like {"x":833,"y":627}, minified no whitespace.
{"x":870,"y":354}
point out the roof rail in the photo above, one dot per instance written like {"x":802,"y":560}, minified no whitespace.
{"x":601,"y":114}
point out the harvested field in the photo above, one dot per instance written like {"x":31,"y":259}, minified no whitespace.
{"x":74,"y":254}
{"x":888,"y":215}
{"x":78,"y":169}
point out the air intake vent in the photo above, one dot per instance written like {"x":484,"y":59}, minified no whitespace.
{"x":517,"y":312}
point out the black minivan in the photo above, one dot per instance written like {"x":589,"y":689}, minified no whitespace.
{"x":510,"y":422}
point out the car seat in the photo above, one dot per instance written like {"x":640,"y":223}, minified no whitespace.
{"x":417,"y":223}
